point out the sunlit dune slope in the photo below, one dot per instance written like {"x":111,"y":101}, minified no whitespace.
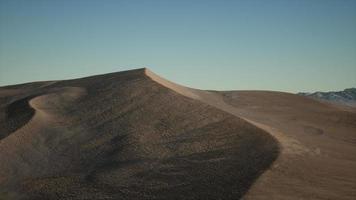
{"x":318,"y":141}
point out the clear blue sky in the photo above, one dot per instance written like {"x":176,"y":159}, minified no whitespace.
{"x":285,"y":45}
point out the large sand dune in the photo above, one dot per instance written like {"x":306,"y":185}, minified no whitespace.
{"x":124,"y":136}
{"x":317,"y":140}
{"x":135,"y":135}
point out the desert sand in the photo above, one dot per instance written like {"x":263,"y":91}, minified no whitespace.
{"x":135,"y":135}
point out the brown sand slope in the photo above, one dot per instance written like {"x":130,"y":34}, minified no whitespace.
{"x":125,"y":135}
{"x":318,"y":140}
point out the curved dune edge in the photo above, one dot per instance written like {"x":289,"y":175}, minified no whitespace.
{"x":287,"y":145}
{"x":17,"y":114}
{"x":214,"y":100}
{"x":36,"y":106}
{"x":296,"y":153}
{"x":185,"y":91}
{"x":296,"y":165}
{"x":40,"y":107}
{"x":46,"y":116}
{"x":58,"y":97}
{"x":202,"y":156}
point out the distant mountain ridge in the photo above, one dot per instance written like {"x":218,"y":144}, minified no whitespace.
{"x":345,"y":97}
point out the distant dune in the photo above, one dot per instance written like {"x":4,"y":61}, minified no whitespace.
{"x":135,"y":135}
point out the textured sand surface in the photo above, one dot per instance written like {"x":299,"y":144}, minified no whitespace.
{"x":127,"y":135}
{"x":135,"y":135}
{"x":318,"y":140}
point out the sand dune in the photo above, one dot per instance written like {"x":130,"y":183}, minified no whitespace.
{"x":321,"y":163}
{"x":317,"y":140}
{"x":135,"y":135}
{"x":217,"y":100}
{"x":127,"y":135}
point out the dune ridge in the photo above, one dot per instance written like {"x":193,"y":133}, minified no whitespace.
{"x":295,"y":122}
{"x":44,"y":118}
{"x":123,"y":135}
{"x":133,"y":134}
{"x":316,"y":141}
{"x":20,"y":112}
{"x":217,"y":101}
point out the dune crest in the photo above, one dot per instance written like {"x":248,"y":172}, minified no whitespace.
{"x":305,"y":130}
{"x":120,"y":135}
{"x":188,"y":92}
{"x":135,"y":135}
{"x":288,"y":145}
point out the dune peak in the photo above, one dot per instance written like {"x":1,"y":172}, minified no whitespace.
{"x":188,"y":92}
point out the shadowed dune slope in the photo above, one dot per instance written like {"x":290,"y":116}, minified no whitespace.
{"x":124,"y":136}
{"x":15,"y":115}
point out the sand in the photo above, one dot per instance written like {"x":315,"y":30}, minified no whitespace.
{"x":124,"y":136}
{"x":135,"y":135}
{"x":317,"y":141}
